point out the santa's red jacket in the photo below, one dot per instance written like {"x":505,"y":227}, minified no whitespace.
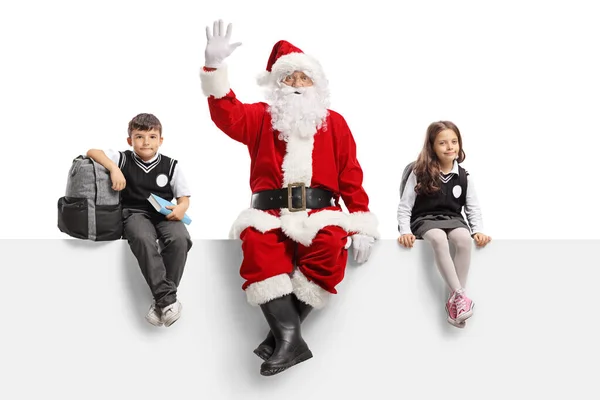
{"x":327,"y":160}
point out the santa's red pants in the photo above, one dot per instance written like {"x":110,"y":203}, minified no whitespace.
{"x":272,"y":253}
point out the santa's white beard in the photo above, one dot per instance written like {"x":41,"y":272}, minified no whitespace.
{"x":294,"y":114}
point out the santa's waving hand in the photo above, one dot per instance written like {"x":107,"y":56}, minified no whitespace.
{"x":295,"y":235}
{"x":218,"y":47}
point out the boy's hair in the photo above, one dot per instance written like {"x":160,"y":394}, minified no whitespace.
{"x":144,"y":122}
{"x":427,"y":167}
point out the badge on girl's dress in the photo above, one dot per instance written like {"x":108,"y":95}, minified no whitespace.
{"x":457,"y":191}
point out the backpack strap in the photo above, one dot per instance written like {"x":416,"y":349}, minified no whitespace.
{"x":405,"y":174}
{"x":75,"y":166}
{"x":96,"y":180}
{"x":407,"y":170}
{"x":463,"y":182}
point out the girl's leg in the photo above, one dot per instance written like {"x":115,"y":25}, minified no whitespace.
{"x":438,"y":240}
{"x":461,"y":239}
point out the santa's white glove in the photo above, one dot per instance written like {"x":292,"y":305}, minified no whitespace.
{"x":218,"y":47}
{"x":361,"y":246}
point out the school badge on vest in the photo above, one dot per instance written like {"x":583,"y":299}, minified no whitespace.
{"x":162,"y":180}
{"x":457,"y":191}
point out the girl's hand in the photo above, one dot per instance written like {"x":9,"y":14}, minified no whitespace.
{"x":481,"y":240}
{"x":407,"y":240}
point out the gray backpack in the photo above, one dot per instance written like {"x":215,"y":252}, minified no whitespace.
{"x":407,"y":170}
{"x":405,"y":174}
{"x":90,"y":209}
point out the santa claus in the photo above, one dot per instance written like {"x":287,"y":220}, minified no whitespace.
{"x":295,"y":235}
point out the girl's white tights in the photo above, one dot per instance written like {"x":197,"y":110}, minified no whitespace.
{"x":454,"y":272}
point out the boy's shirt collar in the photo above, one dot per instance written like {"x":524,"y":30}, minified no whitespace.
{"x":146,"y":162}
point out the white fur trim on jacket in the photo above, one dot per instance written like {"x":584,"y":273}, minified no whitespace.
{"x":271,"y":288}
{"x":365,"y":223}
{"x":215,"y":83}
{"x":309,"y":292}
{"x":303,"y":228}
{"x":298,"y":226}
{"x":257,"y":219}
{"x":289,"y":63}
{"x":297,"y":163}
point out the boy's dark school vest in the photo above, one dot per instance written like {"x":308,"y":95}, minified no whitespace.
{"x":444,"y":201}
{"x":145,"y":178}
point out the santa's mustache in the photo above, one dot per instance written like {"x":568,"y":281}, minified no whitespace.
{"x":290,"y":90}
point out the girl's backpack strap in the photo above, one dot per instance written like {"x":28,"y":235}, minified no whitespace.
{"x":405,"y":174}
{"x":407,"y":170}
{"x":462,"y":180}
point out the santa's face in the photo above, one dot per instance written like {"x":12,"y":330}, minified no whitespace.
{"x":297,"y":79}
{"x":298,"y":106}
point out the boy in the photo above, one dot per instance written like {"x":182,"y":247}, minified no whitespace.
{"x":138,"y":173}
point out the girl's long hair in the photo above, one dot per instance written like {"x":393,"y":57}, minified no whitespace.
{"x":427,"y":166}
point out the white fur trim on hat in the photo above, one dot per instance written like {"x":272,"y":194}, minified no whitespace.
{"x":365,"y":223}
{"x":270,"y":289}
{"x":309,"y":292}
{"x":289,"y":63}
{"x":215,"y":83}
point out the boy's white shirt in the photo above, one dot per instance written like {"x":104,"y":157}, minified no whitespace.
{"x":407,"y":201}
{"x":179,"y":184}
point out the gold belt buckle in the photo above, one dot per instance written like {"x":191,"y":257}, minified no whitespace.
{"x":289,"y":188}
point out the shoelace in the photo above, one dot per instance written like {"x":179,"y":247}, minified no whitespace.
{"x":459,"y":301}
{"x":169,"y":308}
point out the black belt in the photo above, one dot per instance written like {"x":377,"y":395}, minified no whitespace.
{"x":297,"y":197}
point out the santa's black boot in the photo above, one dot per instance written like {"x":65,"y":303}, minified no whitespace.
{"x":265,"y":349}
{"x":290,"y":349}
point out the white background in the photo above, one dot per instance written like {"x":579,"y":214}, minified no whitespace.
{"x":77,"y":330}
{"x":519,"y":78}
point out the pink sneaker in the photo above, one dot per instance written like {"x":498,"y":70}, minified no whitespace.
{"x":453,"y":322}
{"x":451,"y":310}
{"x":464,"y":306}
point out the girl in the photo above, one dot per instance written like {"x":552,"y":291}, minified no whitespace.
{"x":430,"y":208}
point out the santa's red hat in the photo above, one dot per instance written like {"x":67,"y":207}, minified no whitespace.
{"x":286,"y":58}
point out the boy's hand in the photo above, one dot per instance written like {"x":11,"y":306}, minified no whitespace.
{"x":118,"y":179}
{"x":481,"y":240}
{"x":407,"y":240}
{"x":177,"y":214}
